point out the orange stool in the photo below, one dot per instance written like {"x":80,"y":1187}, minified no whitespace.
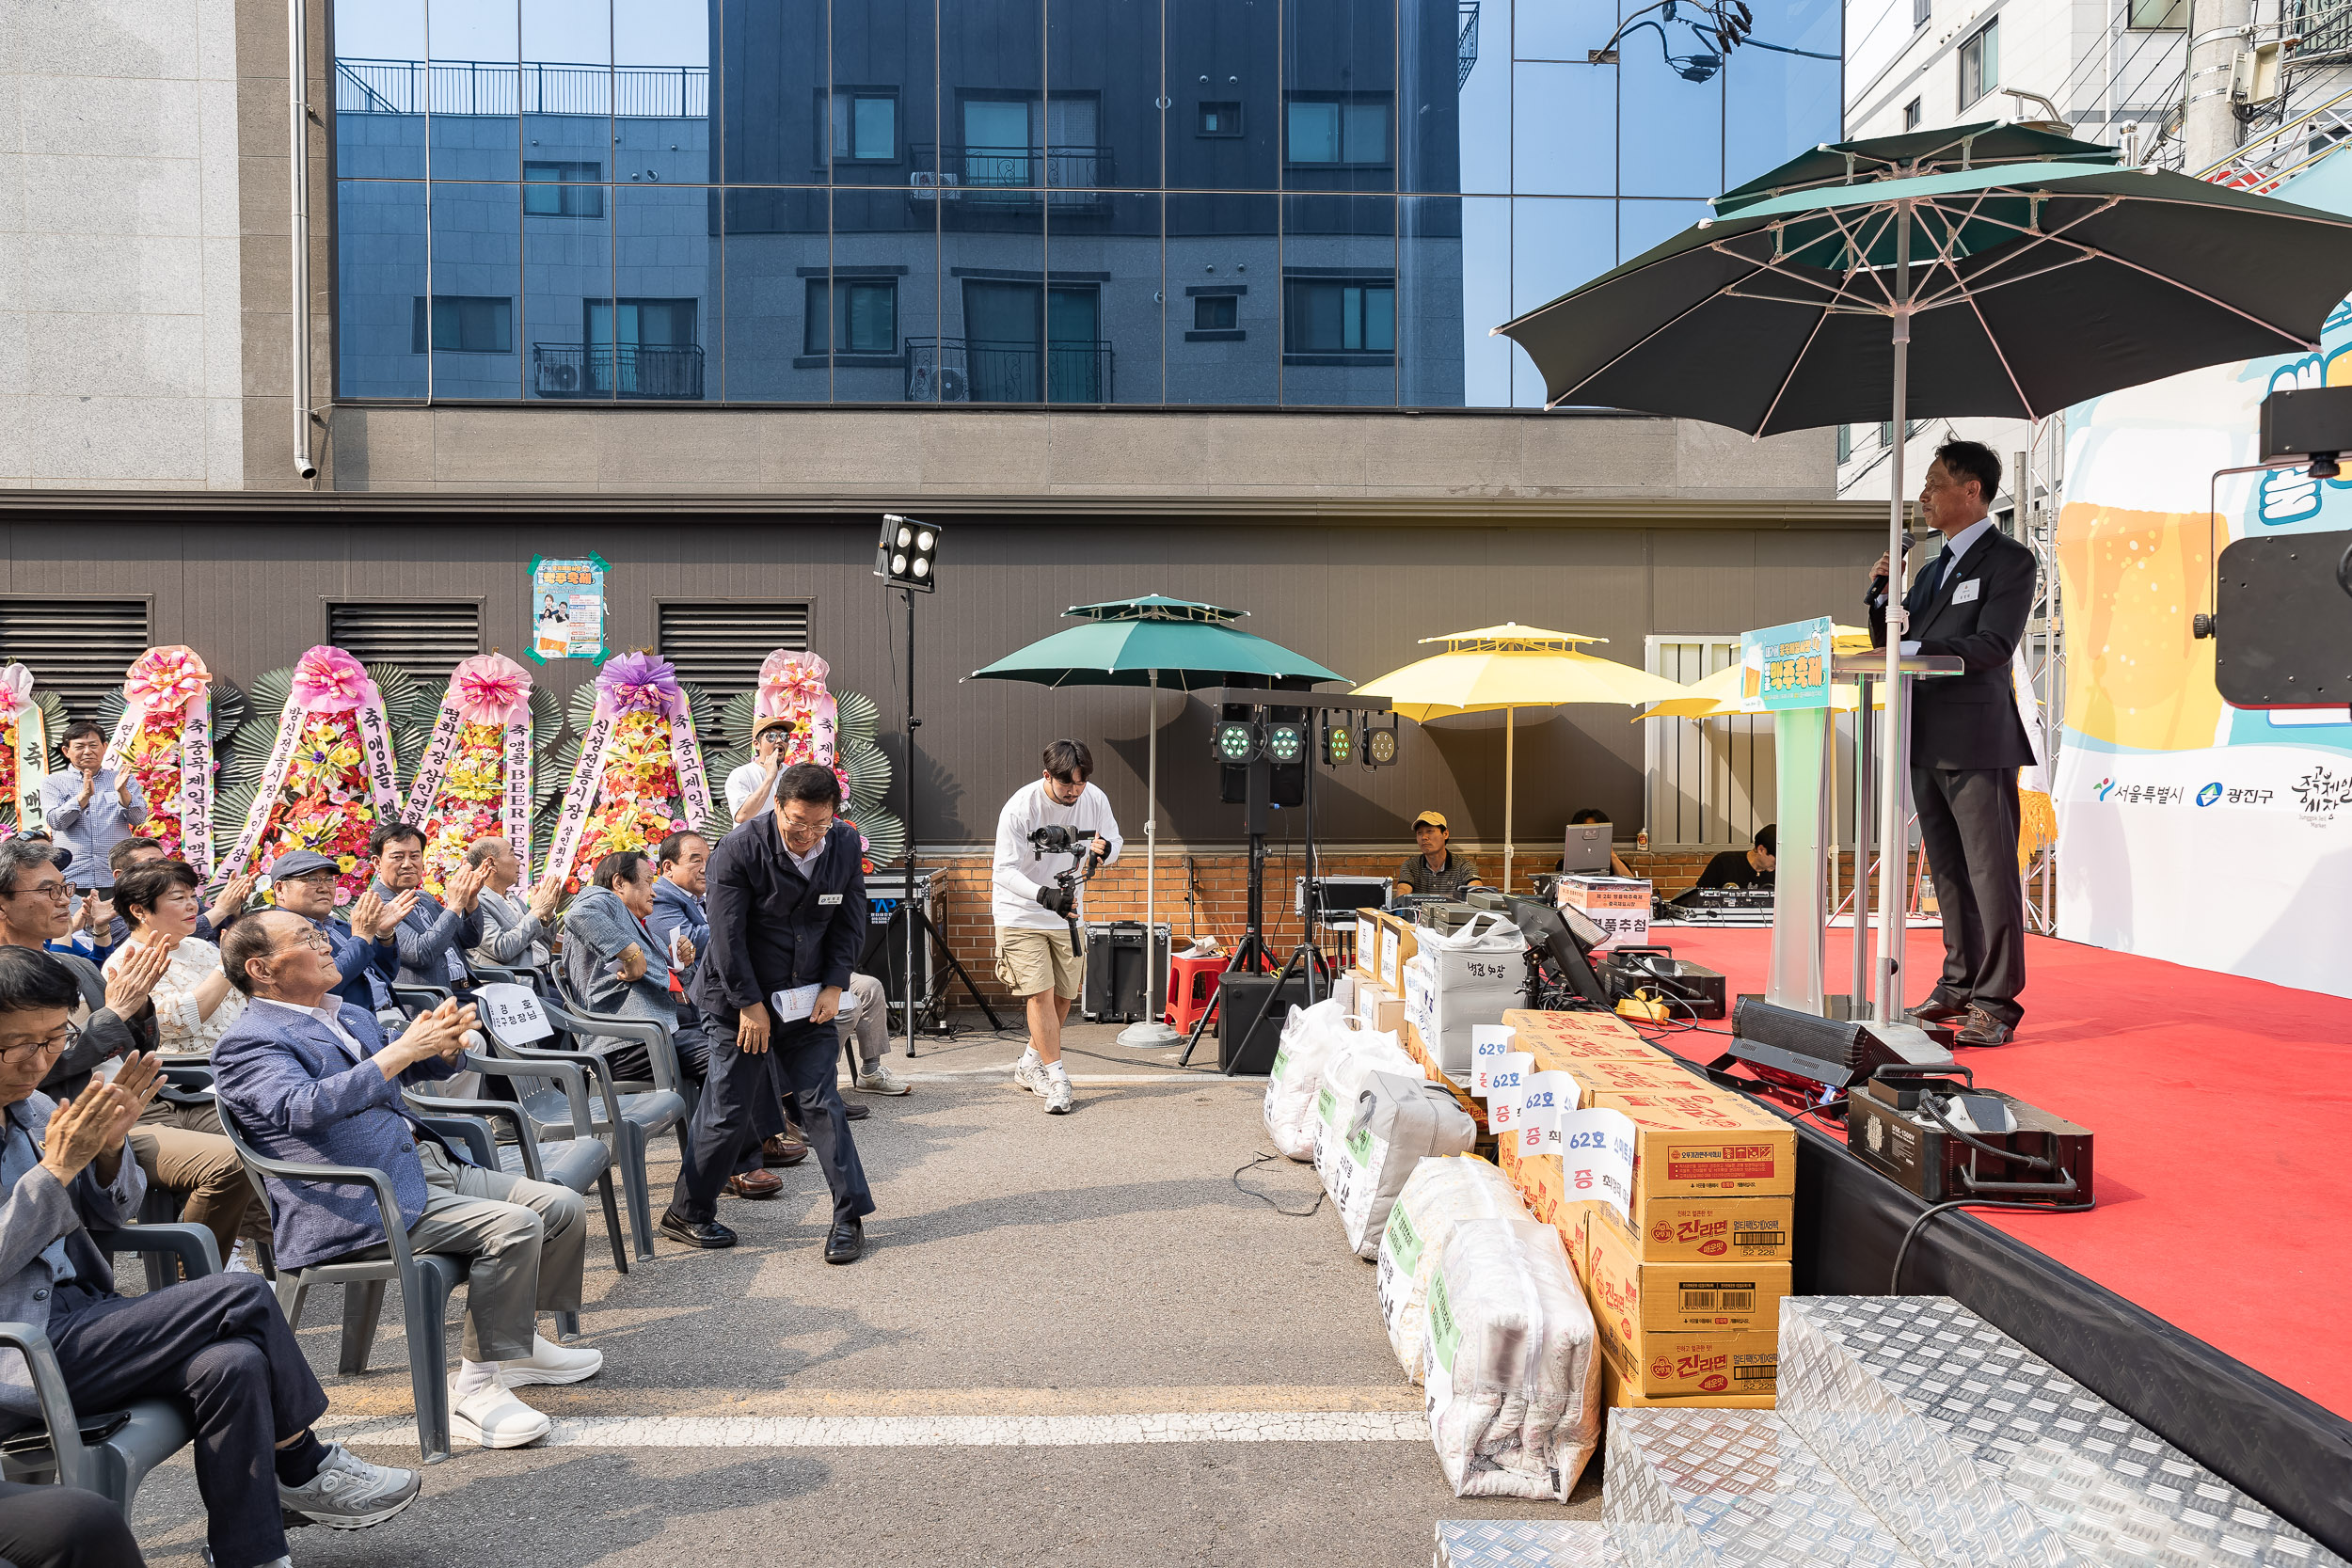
{"x":1191,"y":987}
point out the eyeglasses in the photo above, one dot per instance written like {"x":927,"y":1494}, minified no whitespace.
{"x":65,"y":1040}
{"x":57,"y":892}
{"x":316,"y":938}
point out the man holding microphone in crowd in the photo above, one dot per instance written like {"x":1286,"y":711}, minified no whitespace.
{"x":1035,"y":957}
{"x":786,"y":906}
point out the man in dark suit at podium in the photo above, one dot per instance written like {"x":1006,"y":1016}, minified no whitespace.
{"x":1967,"y":742}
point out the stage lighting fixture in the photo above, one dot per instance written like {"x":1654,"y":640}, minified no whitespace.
{"x":1234,"y":742}
{"x":1285,"y":743}
{"x":1379,"y":747}
{"x":1339,"y":739}
{"x":907,"y":554}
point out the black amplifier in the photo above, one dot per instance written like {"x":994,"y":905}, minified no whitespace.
{"x":1692,"y":991}
{"x":1943,"y":1139}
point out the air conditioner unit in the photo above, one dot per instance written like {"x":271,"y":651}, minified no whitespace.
{"x":954,"y":387}
{"x":558,"y":378}
{"x":929,"y":187}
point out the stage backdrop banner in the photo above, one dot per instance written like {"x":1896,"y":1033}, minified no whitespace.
{"x":2189,"y":830}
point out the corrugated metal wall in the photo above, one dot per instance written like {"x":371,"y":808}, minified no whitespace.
{"x":251,"y":595}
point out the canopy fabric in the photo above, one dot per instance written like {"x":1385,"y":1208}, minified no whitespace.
{"x":1190,"y":653}
{"x":2033,"y":286}
{"x":1512,"y":666}
{"x":1976,"y":146}
{"x":1154,"y":606}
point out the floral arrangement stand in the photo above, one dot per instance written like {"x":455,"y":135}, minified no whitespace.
{"x":27,"y":721}
{"x":476,"y":776}
{"x":169,"y":725}
{"x":331,"y":771}
{"x":637,"y":772}
{"x":833,"y":728}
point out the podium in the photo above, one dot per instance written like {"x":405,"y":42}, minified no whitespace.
{"x":1804,"y":739}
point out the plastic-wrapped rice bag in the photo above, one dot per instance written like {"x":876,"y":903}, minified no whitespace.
{"x":1359,"y":1053}
{"x":1513,"y":1386}
{"x":1310,"y":1035}
{"x":1398,"y":1123}
{"x":1438,"y":1194}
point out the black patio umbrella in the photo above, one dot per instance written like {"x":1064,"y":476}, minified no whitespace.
{"x":2029,"y":270}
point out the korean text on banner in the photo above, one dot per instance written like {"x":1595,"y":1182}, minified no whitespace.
{"x":1787,"y":666}
{"x":1597,"y":1157}
{"x":567,"y":608}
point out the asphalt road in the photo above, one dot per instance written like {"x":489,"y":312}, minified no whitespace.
{"x":1073,"y":1340}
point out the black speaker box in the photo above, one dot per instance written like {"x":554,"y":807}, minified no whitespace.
{"x":1118,"y":973}
{"x":1238,"y":999}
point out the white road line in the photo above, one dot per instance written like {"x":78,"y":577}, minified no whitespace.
{"x":939,"y":1431}
{"x":1005,"y":1073}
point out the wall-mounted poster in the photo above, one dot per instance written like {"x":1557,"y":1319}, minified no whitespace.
{"x":567,"y":608}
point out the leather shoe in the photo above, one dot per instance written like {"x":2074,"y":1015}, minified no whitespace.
{"x":711,"y":1233}
{"x":755,"y":1183}
{"x":854,"y":1111}
{"x":1933,"y":1011}
{"x":844,"y":1243}
{"x":1983,"y":1028}
{"x":783,"y":1149}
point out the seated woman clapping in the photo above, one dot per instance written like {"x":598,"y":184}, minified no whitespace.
{"x":195,"y":1005}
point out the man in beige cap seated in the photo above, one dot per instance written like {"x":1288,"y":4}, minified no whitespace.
{"x":1435,"y":870}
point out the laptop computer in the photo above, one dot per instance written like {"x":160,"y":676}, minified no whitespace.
{"x":1587,"y":850}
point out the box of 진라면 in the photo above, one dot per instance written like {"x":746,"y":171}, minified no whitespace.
{"x":1662,"y":1076}
{"x":1704,"y":1140}
{"x":1665,"y":1228}
{"x":1712,"y":1295}
{"x":1619,"y":1395}
{"x":1555,"y":1039}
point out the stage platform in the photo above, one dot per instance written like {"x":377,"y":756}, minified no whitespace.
{"x":2221,"y":1107}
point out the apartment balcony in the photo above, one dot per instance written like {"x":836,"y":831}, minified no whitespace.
{"x":960,"y":369}
{"x":1011,"y":179}
{"x":662,"y":372}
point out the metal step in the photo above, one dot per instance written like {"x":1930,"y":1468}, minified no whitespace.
{"x":1524,"y":1544}
{"x":1714,"y":1488}
{"x":1970,"y":1447}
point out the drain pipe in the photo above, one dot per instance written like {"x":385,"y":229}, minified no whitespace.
{"x":298,"y":103}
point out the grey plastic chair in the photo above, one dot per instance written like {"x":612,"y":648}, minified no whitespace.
{"x":580,"y":1160}
{"x":426,"y":1280}
{"x":109,"y":1452}
{"x":629,"y":1121}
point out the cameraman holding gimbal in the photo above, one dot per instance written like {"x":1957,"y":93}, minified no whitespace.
{"x":1033,"y":898}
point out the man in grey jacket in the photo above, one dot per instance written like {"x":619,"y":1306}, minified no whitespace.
{"x":514,"y":932}
{"x":438,"y":931}
{"x":217,"y":1346}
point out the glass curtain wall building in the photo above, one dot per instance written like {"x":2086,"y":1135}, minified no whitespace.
{"x":1146,"y":202}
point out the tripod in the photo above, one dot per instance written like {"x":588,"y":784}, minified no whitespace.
{"x":933,"y":1005}
{"x":1250,"y":955}
{"x":1307,"y":958}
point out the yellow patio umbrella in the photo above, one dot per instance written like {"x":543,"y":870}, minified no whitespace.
{"x":1507,"y":668}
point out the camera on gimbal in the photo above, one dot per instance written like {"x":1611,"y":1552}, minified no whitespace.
{"x":1056,"y":839}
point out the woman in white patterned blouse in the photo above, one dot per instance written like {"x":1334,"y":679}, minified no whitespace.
{"x":195,"y":1005}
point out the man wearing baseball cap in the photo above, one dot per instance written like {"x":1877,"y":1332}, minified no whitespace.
{"x":750,"y":786}
{"x":1436,"y":869}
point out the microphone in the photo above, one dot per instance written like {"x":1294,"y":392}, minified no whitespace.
{"x":1877,"y":584}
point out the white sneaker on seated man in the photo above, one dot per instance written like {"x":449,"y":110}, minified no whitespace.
{"x":312,"y":1080}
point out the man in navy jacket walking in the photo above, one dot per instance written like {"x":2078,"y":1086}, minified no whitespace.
{"x":788,"y":917}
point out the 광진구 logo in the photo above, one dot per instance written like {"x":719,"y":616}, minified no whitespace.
{"x":2211,"y":793}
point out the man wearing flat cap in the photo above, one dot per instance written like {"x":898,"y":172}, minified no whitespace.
{"x":366,"y":955}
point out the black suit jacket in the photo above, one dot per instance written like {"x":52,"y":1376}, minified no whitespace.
{"x":1969,"y":719}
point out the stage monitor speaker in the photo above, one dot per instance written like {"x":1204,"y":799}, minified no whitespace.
{"x":1118,"y":973}
{"x":1797,"y":1048}
{"x":1238,"y":999}
{"x":2282,"y":618}
{"x":2307,"y":423}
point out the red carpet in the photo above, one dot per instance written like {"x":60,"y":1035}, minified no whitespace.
{"x":2223,"y":1112}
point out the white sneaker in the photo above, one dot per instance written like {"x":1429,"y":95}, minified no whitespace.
{"x":879,"y":1079}
{"x":495,"y":1419}
{"x":1029,"y":1073}
{"x":549,"y":1362}
{"x":238,"y":1262}
{"x":1056,"y":1091}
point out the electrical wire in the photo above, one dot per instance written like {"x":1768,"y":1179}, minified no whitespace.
{"x":1263,"y":1159}
{"x":1894,"y":1277}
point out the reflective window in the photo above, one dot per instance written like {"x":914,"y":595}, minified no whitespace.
{"x":1129,"y":202}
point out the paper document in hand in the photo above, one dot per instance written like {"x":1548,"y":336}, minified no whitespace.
{"x":794,"y":1005}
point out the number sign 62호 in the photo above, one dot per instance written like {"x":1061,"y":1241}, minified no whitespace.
{"x":1596,"y":1156}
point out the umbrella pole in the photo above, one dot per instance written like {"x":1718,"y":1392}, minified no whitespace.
{"x":1887,"y":990}
{"x":1152,"y":1029}
{"x":1510,"y":754}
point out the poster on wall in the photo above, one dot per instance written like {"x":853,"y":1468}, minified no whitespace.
{"x":2188,"y":829}
{"x":567,"y":608}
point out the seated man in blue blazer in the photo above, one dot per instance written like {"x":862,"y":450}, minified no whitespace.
{"x":216,"y":1345}
{"x":316,"y":1083}
{"x":434,"y":934}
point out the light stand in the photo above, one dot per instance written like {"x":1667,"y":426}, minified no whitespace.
{"x":1151,"y":1031}
{"x":1249,"y":954}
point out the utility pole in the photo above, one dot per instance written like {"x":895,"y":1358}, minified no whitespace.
{"x":2209,"y":123}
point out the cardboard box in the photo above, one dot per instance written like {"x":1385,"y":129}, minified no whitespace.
{"x":1618,"y":904}
{"x":1704,"y":1142}
{"x":1710,"y":1296}
{"x":1617,"y":1394}
{"x":1378,"y":1009}
{"x":1462,"y":1096}
{"x":1447,"y":992}
{"x":1660,"y":1076}
{"x":1367,"y":959}
{"x":1669,"y":1229}
{"x":1689,"y":1366}
{"x":1579,"y":1036}
{"x":1397,"y":941}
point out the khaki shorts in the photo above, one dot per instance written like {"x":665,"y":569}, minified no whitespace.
{"x":1029,"y":961}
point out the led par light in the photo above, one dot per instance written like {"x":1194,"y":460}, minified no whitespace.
{"x":1339,"y":739}
{"x":1285,"y":743}
{"x":1379,"y":747}
{"x":908,"y":553}
{"x":1234,"y":742}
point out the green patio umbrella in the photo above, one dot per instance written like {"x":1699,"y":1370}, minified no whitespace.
{"x":1154,"y":641}
{"x":2030,"y":270}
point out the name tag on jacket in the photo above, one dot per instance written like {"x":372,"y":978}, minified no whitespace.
{"x":827,"y":899}
{"x":1968,"y":591}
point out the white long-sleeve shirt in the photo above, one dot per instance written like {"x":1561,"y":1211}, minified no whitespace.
{"x":1021,"y":873}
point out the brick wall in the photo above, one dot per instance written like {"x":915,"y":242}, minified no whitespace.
{"x":1218,"y":881}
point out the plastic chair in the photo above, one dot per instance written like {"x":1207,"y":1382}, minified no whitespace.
{"x":579,"y":1160}
{"x":426,"y":1280}
{"x":109,"y":1452}
{"x":629,"y":1121}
